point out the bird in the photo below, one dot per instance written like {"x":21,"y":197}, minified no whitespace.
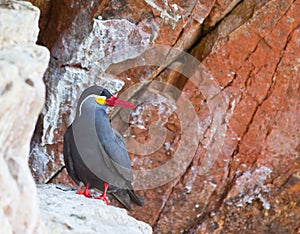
{"x":95,"y":154}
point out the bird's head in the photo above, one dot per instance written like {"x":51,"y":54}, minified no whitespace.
{"x":106,"y":98}
{"x":102,"y":97}
{"x":113,"y":101}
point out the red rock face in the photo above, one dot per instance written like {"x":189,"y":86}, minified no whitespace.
{"x":243,"y":173}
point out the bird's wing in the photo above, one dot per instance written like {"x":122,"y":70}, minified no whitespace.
{"x":112,"y":147}
{"x":116,"y":150}
{"x":68,"y":159}
{"x":115,"y":154}
{"x":123,"y":158}
{"x":119,"y":139}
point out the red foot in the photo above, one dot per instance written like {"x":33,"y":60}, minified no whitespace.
{"x":85,"y":192}
{"x":103,"y":196}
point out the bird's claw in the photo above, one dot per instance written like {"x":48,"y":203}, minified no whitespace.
{"x":86,"y":192}
{"x":103,"y":198}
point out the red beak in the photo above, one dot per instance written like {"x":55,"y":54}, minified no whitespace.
{"x":113,"y":101}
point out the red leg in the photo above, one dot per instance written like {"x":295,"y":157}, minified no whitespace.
{"x":103,"y":196}
{"x":85,"y":192}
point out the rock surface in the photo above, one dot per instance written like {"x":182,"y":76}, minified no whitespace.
{"x":22,"y":65}
{"x":82,"y":57}
{"x":83,"y":215}
{"x":241,"y":166}
{"x":257,"y":68}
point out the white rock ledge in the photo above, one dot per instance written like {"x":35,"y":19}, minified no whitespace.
{"x":66,"y":212}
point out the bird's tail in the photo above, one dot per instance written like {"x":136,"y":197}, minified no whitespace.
{"x":126,"y":196}
{"x":135,"y":198}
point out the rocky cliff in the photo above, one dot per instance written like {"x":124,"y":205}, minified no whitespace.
{"x":63,"y":211}
{"x":23,"y":208}
{"x":215,"y":138}
{"x":22,"y":65}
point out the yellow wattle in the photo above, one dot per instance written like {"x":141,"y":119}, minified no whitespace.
{"x":100,"y":100}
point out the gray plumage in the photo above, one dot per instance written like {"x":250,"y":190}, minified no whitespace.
{"x":95,"y":153}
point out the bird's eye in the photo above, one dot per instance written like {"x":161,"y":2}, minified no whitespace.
{"x":100,"y":100}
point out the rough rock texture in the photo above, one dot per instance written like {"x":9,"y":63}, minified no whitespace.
{"x":22,"y":65}
{"x":83,"y":215}
{"x":83,"y":57}
{"x":239,"y":164}
{"x":257,"y":67}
